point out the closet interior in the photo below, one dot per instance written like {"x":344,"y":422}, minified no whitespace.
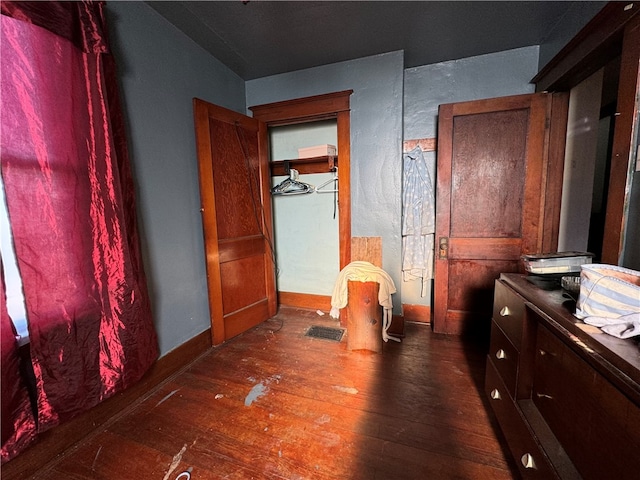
{"x":304,"y":170}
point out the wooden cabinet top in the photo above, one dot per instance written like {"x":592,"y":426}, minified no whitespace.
{"x":617,"y":359}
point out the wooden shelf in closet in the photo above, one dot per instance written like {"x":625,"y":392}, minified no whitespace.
{"x":322,"y":164}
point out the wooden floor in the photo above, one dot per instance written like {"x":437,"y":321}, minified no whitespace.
{"x":274,"y":403}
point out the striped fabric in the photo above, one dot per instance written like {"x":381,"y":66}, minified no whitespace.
{"x":608,"y":291}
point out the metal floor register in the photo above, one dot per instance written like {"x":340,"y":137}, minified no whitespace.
{"x":326,"y":333}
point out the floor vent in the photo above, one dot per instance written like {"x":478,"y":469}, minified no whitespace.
{"x":326,"y":333}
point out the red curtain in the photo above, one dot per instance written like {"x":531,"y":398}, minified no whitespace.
{"x":18,"y":424}
{"x":71,"y":204}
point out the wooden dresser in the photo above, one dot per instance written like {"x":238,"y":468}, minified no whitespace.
{"x":566,"y":395}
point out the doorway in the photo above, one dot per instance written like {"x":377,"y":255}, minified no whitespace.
{"x":587,"y":165}
{"x":305,"y":220}
{"x":328,"y":113}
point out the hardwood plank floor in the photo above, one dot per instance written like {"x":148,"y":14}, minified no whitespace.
{"x":274,"y":403}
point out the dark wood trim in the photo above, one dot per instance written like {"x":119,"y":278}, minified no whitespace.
{"x":552,"y":176}
{"x":303,"y":109}
{"x":426,"y":144}
{"x":267,"y":219}
{"x":597,"y":43}
{"x":397,"y":326}
{"x":417,"y":313}
{"x":202,"y":116}
{"x":622,"y":144}
{"x":443,"y":227}
{"x":54,"y":442}
{"x":344,"y":193}
{"x":332,"y":105}
{"x":323,"y":164}
{"x":305,"y":300}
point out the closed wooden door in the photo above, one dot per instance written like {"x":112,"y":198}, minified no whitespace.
{"x":490,"y":205}
{"x":236,"y":216}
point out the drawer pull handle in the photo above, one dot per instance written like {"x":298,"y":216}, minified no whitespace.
{"x":527,"y":461}
{"x":544,"y":395}
{"x":505,"y":312}
{"x":501,"y":355}
{"x":495,"y":394}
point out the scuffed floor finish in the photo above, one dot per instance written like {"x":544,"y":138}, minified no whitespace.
{"x":276,"y":404}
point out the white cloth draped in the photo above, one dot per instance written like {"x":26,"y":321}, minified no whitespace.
{"x":418,"y":219}
{"x":365,"y":272}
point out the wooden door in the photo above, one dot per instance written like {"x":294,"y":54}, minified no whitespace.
{"x":236,"y":216}
{"x":490,"y":202}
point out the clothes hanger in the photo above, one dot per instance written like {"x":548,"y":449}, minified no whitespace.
{"x":292,"y":186}
{"x":329,"y":182}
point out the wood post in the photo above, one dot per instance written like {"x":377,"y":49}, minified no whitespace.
{"x":364,"y":320}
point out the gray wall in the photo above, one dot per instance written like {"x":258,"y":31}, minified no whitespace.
{"x":160,"y":71}
{"x":376,"y":139}
{"x":473,"y":78}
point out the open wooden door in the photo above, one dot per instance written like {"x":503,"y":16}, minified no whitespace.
{"x":493,"y":161}
{"x":236,"y":216}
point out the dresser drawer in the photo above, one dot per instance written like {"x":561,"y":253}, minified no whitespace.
{"x":509,"y":313}
{"x":529,"y":457}
{"x":504,"y":357}
{"x":594,"y":421}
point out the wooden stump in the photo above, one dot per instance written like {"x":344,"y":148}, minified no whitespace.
{"x":364,"y":321}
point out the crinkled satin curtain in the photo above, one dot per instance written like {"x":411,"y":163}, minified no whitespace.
{"x":71,"y":206}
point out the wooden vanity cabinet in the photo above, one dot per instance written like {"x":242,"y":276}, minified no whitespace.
{"x":566,"y":395}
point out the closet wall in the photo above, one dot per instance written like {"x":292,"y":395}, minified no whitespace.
{"x":306,"y":225}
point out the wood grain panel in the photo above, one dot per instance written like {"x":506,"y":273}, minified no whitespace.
{"x":502,"y":160}
{"x":367,"y":249}
{"x":481,"y":249}
{"x":243,"y":283}
{"x":230,"y":250}
{"x":490,"y":202}
{"x":622,"y":152}
{"x":365,"y":317}
{"x":302,"y":109}
{"x":304,"y":165}
{"x":596,"y":432}
{"x":471,"y":295}
{"x":241,"y":320}
{"x":235,"y":180}
{"x":416,"y":313}
{"x":236,"y":212}
{"x":305,"y":300}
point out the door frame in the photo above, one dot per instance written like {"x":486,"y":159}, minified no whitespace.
{"x":614,"y":31}
{"x":310,"y":109}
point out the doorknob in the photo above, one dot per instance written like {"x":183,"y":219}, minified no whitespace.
{"x":443,"y":248}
